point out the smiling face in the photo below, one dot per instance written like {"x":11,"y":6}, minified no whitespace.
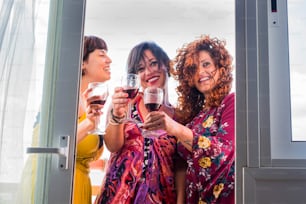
{"x":151,"y":75}
{"x":207,"y":74}
{"x":96,"y":67}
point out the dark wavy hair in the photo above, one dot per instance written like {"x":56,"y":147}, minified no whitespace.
{"x":137,"y":54}
{"x":184,"y":66}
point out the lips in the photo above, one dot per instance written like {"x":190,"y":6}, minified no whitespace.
{"x":107,"y":69}
{"x":153,"y":79}
{"x":206,"y":78}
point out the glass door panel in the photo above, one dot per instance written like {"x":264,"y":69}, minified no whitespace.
{"x":40,"y":58}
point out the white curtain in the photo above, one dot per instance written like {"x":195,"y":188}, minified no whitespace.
{"x":16,"y":62}
{"x":23,"y":32}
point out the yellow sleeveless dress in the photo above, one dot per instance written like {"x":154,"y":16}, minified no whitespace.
{"x":87,"y":150}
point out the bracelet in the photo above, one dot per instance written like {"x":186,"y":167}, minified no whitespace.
{"x":112,"y":122}
{"x":115,"y":120}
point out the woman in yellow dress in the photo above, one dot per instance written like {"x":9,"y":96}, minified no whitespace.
{"x":95,"y":68}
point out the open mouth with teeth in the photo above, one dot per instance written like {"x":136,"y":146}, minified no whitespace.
{"x":203,"y":79}
{"x":152,"y":79}
{"x":107,"y":69}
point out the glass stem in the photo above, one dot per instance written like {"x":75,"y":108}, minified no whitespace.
{"x":97,"y":121}
{"x":128,"y":116}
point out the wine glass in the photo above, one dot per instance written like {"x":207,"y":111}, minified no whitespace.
{"x":153,"y":99}
{"x":100,"y":92}
{"x":130,"y":84}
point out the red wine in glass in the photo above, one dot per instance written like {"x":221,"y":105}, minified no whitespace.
{"x":152,"y":106}
{"x":131,"y":91}
{"x":100,"y":102}
{"x":153,"y":98}
{"x":130,"y":83}
{"x":100,"y":94}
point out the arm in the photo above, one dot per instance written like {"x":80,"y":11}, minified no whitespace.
{"x":83,"y":128}
{"x":160,"y":120}
{"x":114,"y":136}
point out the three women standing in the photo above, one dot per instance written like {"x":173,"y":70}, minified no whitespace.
{"x":203,"y":132}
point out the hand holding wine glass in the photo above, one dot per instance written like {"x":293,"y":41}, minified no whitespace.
{"x":97,"y":97}
{"x":153,"y":99}
{"x":130,"y":84}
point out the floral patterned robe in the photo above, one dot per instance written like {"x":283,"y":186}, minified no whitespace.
{"x":142,"y":171}
{"x":210,"y":172}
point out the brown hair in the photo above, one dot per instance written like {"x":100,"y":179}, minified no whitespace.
{"x":137,"y":54}
{"x":91,"y":43}
{"x":185,"y":64}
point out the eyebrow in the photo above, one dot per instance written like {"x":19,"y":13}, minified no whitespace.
{"x":143,"y":61}
{"x":102,"y":50}
{"x":151,"y":59}
{"x":205,"y":60}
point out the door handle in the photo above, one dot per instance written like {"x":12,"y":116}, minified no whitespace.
{"x":62,"y":151}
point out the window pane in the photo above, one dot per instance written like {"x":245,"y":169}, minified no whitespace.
{"x":297,"y":53}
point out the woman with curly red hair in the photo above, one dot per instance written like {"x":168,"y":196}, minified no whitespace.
{"x":206,"y":112}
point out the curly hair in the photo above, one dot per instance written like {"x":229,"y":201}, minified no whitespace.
{"x":184,"y":66}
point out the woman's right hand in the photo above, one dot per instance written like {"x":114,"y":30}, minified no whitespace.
{"x":92,"y":110}
{"x":119,"y":102}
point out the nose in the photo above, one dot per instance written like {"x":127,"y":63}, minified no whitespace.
{"x":203,"y":71}
{"x":148,"y":69}
{"x":109,"y":60}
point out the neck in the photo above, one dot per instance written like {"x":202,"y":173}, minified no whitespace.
{"x":83,"y":85}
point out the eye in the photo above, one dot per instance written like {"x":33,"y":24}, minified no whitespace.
{"x":153,"y":64}
{"x":103,"y":53}
{"x":140,"y":69}
{"x":206,"y":64}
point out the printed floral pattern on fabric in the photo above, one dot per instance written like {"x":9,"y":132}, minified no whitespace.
{"x":142,"y":172}
{"x":210,"y":171}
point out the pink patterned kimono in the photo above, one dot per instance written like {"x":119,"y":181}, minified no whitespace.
{"x":210,"y":172}
{"x":142,"y":171}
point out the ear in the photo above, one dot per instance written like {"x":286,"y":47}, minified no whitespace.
{"x":83,"y":71}
{"x":83,"y":65}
